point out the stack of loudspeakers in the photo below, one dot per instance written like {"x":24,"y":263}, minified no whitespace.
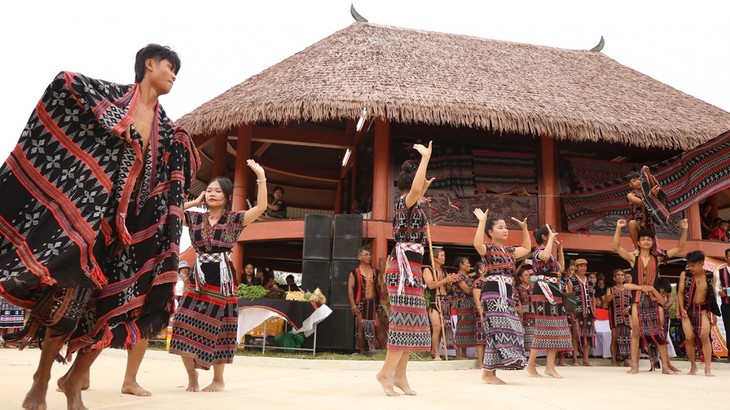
{"x":327,"y":263}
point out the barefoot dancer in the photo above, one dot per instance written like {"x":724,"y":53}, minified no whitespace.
{"x":618,"y":299}
{"x":584,"y":331}
{"x":476,"y":294}
{"x":551,"y":325}
{"x":409,"y":328}
{"x":464,"y":306}
{"x":204,"y":325}
{"x":364,"y":294}
{"x":438,"y":282}
{"x":73,"y":247}
{"x":646,"y":314}
{"x":697,"y":304}
{"x":524,"y":294}
{"x":505,"y":337}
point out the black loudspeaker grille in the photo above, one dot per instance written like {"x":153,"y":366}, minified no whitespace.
{"x":347,"y":237}
{"x":316,"y":274}
{"x":317,"y":237}
{"x":338,"y":282}
{"x":337,"y":332}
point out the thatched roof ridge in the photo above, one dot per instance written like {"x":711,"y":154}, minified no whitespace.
{"x":411,"y":76}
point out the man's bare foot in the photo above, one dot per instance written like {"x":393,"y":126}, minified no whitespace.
{"x":574,"y":363}
{"x":628,"y":364}
{"x":533,"y":372}
{"x":135,"y":389}
{"x":402,"y":384}
{"x":491,"y":378}
{"x":35,"y":399}
{"x":672,"y":368}
{"x":708,"y":373}
{"x":553,"y":373}
{"x":215,"y":386}
{"x":693,"y":369}
{"x":587,"y":363}
{"x":436,"y":358}
{"x":633,"y":370}
{"x":85,"y":383}
{"x":72,"y":389}
{"x":668,"y":371}
{"x":193,"y":383}
{"x":614,"y":363}
{"x":387,"y":384}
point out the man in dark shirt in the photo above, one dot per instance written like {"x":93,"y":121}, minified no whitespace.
{"x":277,"y":208}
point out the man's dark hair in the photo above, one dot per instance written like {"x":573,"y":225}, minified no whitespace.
{"x":646,"y":233}
{"x":157,"y":53}
{"x":695,"y":256}
{"x":278,"y":188}
{"x":663,"y":284}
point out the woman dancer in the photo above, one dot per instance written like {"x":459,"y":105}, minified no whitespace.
{"x":551,"y":326}
{"x":204,"y":326}
{"x":409,"y":328}
{"x":466,"y":330}
{"x":505,"y":337}
{"x":524,"y":294}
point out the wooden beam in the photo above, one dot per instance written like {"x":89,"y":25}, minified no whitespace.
{"x":695,"y":224}
{"x":219,"y":155}
{"x":549,"y":202}
{"x":303,"y":138}
{"x":381,"y":170}
{"x":202,"y":140}
{"x":240,"y":184}
{"x":261,"y":150}
{"x":300,"y":171}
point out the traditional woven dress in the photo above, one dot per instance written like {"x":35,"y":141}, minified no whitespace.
{"x":11,"y":317}
{"x":524,"y":295}
{"x":621,"y":321}
{"x":90,"y":224}
{"x":651,"y":329}
{"x":409,"y":328}
{"x":551,"y":325}
{"x":205,"y":324}
{"x":505,"y":336}
{"x":466,"y":319}
{"x":585,"y":311}
{"x":367,"y":298}
{"x":481,"y":335}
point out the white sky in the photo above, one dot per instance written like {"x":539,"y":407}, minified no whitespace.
{"x":221,"y":43}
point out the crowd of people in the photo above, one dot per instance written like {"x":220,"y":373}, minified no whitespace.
{"x":98,"y":265}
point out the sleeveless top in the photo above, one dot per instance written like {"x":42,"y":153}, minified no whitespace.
{"x":409,"y":224}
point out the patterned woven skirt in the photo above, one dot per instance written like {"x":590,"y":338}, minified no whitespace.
{"x":466,"y":322}
{"x":204,"y":326}
{"x":528,"y":323}
{"x":623,"y":341}
{"x":651,"y":329}
{"x":481,"y":334}
{"x":551,"y":330}
{"x":11,"y":317}
{"x":410,"y":328}
{"x":505,"y":343}
{"x":586,"y":331}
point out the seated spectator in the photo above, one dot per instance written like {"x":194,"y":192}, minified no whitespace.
{"x":291,"y":285}
{"x":719,"y":233}
{"x":249,"y":276}
{"x":277,"y":207}
{"x":269,"y":281}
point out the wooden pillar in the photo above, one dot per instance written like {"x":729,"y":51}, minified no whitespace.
{"x":695,"y":225}
{"x":381,"y":183}
{"x":712,"y":199}
{"x":549,"y":201}
{"x":338,"y":198}
{"x":219,"y":156}
{"x":241,"y":177}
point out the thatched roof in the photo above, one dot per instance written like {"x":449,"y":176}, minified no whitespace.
{"x":411,"y":76}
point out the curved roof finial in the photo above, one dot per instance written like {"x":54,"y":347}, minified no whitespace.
{"x":599,"y":46}
{"x":357,"y":15}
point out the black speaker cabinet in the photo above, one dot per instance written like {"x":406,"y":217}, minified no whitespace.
{"x":317,"y":237}
{"x":316,"y":274}
{"x":338,"y":282}
{"x":337,"y":332}
{"x":348,"y":236}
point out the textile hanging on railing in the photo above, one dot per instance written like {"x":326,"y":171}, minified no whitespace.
{"x":499,"y":171}
{"x":686,"y":179}
{"x":590,"y":172}
{"x":453,"y":168}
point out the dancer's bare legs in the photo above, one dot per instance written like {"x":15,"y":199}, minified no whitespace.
{"x":75,"y":377}
{"x":550,"y":365}
{"x":634,"y":344}
{"x":217,"y":384}
{"x":531,"y":361}
{"x":35,"y":399}
{"x":490,"y":377}
{"x":435,"y":318}
{"x":399,"y":377}
{"x":189,"y":364}
{"x":134,"y":360}
{"x":386,"y":375}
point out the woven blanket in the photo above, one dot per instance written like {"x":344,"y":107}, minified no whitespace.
{"x":686,"y":179}
{"x":589,"y":172}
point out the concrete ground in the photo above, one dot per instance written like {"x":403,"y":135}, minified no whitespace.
{"x":253,"y":382}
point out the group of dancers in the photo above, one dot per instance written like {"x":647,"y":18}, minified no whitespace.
{"x":506,"y":314}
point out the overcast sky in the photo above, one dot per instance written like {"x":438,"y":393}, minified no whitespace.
{"x":222,"y":43}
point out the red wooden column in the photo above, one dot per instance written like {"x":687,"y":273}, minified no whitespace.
{"x":381,"y":183}
{"x":219,"y":157}
{"x":549,"y":201}
{"x":695,"y":225}
{"x":241,"y":177}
